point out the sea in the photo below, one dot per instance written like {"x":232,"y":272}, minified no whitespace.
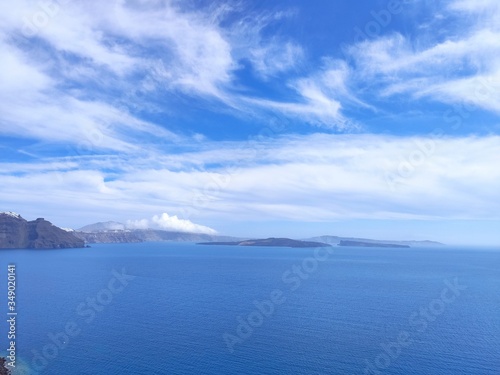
{"x":182,"y":308}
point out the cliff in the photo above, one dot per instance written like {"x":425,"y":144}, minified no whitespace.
{"x":18,"y":233}
{"x":3,"y":370}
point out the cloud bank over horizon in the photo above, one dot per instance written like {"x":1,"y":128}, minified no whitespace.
{"x":452,"y":178}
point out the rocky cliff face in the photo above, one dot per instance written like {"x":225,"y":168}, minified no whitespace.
{"x":3,"y":369}
{"x":18,"y":233}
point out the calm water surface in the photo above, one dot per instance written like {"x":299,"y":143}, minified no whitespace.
{"x":184,"y":309}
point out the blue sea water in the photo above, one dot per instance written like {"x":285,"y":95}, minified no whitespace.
{"x":352,"y":311}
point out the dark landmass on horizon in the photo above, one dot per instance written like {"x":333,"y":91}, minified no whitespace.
{"x":18,"y":233}
{"x":271,"y":242}
{"x":335,"y":240}
{"x":370,"y":244}
{"x":116,"y":232}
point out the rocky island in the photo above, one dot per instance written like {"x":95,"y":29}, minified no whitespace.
{"x":19,"y":233}
{"x":370,"y":244}
{"x":271,"y":242}
{"x":335,"y":240}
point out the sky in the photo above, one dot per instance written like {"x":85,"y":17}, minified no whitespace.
{"x":376,"y":119}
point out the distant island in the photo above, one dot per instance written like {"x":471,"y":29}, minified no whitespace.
{"x":270,"y":242}
{"x":335,"y":240}
{"x":18,"y":233}
{"x":115,"y":232}
{"x":370,"y":244}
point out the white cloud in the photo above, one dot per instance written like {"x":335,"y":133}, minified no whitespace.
{"x":310,"y":178}
{"x":475,"y":6}
{"x":461,"y":65}
{"x":464,"y":67}
{"x":100,"y":46}
{"x":138,"y":224}
{"x":190,"y":48}
{"x":170,"y":223}
{"x":105,"y":46}
{"x":276,"y":57}
{"x":17,"y":76}
{"x":323,"y":96}
{"x":115,"y":49}
{"x":35,"y":79}
{"x":269,"y":55}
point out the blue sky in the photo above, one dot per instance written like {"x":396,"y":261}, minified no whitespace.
{"x":287,"y":118}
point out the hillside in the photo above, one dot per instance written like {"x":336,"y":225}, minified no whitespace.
{"x":18,"y":233}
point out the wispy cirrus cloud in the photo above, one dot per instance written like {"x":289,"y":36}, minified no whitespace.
{"x":269,"y":54}
{"x":138,"y":57}
{"x":322,"y":95}
{"x":103,"y":48}
{"x":157,"y":49}
{"x":275,"y":58}
{"x":464,"y":66}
